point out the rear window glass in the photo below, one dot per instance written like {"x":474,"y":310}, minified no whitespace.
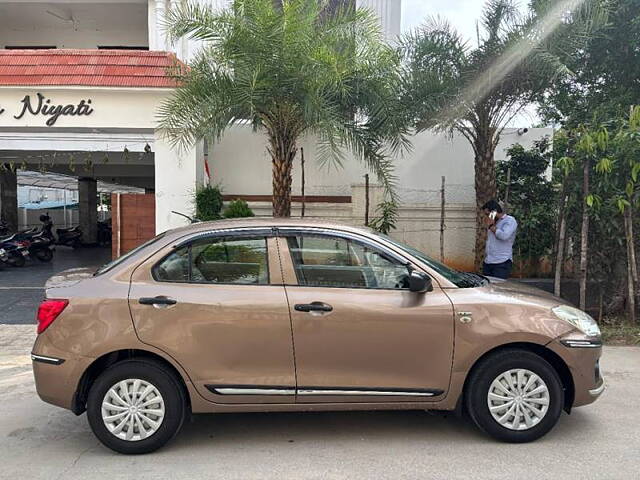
{"x":114,"y":263}
{"x":224,"y":260}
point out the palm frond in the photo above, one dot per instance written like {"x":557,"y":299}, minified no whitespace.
{"x":295,"y":68}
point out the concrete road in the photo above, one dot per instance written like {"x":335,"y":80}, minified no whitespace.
{"x":41,"y":441}
{"x":21,"y":289}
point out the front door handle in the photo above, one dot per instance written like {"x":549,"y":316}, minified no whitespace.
{"x":313,"y":307}
{"x":159,"y":300}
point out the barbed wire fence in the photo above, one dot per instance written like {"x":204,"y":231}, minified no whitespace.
{"x":444,"y":200}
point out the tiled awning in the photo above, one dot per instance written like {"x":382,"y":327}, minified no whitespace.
{"x":95,"y":68}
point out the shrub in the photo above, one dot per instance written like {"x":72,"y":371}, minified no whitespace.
{"x":208,"y":203}
{"x":238,"y":209}
{"x":387,"y":217}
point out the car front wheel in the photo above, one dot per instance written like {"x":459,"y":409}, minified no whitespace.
{"x":136,"y":406}
{"x":514,"y":396}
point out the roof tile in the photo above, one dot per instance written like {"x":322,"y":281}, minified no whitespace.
{"x":96,"y":68}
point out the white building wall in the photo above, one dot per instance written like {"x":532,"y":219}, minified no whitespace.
{"x":73,"y":25}
{"x":390,"y":14}
{"x":241,"y":165}
{"x":389,"y":11}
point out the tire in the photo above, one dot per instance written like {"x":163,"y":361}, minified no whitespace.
{"x":44,"y":255}
{"x":171,"y":402}
{"x":533,"y":420}
{"x":17,"y":260}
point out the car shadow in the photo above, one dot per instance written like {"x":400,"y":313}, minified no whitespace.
{"x":253,"y":429}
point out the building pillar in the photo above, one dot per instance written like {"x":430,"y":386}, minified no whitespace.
{"x":88,"y":209}
{"x":178,"y":175}
{"x":9,"y":198}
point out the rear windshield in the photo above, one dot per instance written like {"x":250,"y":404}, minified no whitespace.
{"x":114,"y":263}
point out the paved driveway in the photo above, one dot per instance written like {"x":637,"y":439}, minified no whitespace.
{"x":21,"y":289}
{"x":41,"y":441}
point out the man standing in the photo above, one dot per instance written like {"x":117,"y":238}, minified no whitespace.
{"x":500,"y":237}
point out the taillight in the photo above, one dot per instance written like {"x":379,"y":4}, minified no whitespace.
{"x":48,"y":311}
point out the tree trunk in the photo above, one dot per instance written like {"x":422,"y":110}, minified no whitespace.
{"x":562,"y":205}
{"x":560,"y":247}
{"x":485,"y":183}
{"x":282,"y":148}
{"x":632,"y":249}
{"x":584,"y":235}
{"x":302,"y":180}
{"x":631,"y":266}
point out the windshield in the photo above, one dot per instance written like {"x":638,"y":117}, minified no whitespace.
{"x":459,"y":279}
{"x":114,"y":263}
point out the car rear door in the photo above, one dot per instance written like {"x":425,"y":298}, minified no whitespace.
{"x":217,"y":305}
{"x":360,"y":335}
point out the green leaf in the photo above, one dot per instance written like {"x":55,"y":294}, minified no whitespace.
{"x":635,"y":170}
{"x":590,"y":200}
{"x":604,"y":165}
{"x":629,"y":189}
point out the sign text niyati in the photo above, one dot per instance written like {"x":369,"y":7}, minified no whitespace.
{"x":43,"y":106}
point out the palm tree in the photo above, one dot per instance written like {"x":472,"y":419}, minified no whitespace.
{"x":477,"y":91}
{"x":289,"y":68}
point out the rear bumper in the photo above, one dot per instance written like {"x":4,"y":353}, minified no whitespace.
{"x":56,"y":373}
{"x":583,"y":360}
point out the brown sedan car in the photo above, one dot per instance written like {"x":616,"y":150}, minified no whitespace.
{"x":284,"y":315}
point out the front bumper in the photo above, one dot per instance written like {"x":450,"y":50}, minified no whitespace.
{"x":582,"y":355}
{"x":596,"y":392}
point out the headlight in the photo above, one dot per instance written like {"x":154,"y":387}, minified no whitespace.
{"x":582,"y":321}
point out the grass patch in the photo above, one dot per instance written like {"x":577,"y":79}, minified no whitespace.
{"x":620,"y":333}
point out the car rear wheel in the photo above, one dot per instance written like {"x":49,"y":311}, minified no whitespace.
{"x":515,"y":396}
{"x":136,"y":406}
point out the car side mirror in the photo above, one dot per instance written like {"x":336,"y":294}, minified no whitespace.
{"x":420,"y":282}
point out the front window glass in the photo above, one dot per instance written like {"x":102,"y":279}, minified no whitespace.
{"x":226,"y":260}
{"x":324,"y":261}
{"x":460,"y":279}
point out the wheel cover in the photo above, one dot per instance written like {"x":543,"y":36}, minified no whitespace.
{"x":133,"y":409}
{"x":518,"y":399}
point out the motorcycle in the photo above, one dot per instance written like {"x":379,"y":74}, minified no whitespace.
{"x":39,"y":246}
{"x":13,"y":251}
{"x":71,"y":237}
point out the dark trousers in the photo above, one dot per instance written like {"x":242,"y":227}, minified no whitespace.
{"x":499,"y":270}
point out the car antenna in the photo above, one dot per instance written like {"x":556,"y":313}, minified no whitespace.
{"x":192,"y":220}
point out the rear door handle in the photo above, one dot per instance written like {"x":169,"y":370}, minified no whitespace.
{"x":313,"y":307}
{"x":159,"y":300}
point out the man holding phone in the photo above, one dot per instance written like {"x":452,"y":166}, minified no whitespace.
{"x":501,"y":234}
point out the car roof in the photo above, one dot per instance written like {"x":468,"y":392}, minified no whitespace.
{"x":266,"y":222}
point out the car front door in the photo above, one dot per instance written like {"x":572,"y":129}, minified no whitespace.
{"x":216,"y":304}
{"x":359,"y":334}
